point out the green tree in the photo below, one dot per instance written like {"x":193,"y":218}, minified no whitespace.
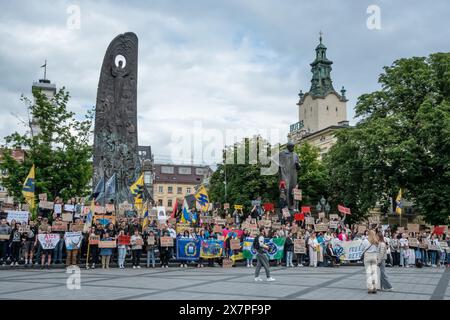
{"x":61,"y":150}
{"x":401,"y":141}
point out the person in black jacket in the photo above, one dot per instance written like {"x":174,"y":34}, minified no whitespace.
{"x":289,"y":248}
{"x":16,"y":243}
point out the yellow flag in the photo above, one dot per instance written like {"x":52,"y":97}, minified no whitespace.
{"x":145,"y":221}
{"x":137,"y":190}
{"x":29,"y":187}
{"x":399,"y":202}
{"x":202,"y":198}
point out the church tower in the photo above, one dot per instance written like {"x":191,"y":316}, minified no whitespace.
{"x":322,"y":106}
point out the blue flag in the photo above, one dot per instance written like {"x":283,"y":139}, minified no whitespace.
{"x":188,"y":249}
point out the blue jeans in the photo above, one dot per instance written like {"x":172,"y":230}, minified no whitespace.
{"x":424,"y":256}
{"x":151,"y":255}
{"x":289,"y":255}
{"x":122,"y":255}
{"x":432,"y":256}
{"x":249,"y":261}
{"x":402,"y":257}
{"x":57,"y":252}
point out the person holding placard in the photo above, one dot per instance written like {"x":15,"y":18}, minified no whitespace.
{"x":136,"y":248}
{"x":46,"y":253}
{"x":5,"y":234}
{"x":106,"y":253}
{"x":151,"y":245}
{"x":16,"y":243}
{"x":122,"y":251}
{"x":164,"y":252}
{"x":93,"y":247}
{"x":29,"y":244}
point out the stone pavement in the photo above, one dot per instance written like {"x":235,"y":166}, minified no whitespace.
{"x":344,"y":283}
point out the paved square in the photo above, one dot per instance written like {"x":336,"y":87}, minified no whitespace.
{"x":344,"y":283}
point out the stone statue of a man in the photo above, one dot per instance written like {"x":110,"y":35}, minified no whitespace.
{"x":289,"y":165}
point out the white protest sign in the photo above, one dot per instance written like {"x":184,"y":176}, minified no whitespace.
{"x":48,"y":241}
{"x":18,"y":216}
{"x":162,"y":213}
{"x":58,"y":208}
{"x":351,"y":250}
{"x":73,"y":240}
{"x":69,"y":207}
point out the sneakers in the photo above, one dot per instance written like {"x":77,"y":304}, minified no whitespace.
{"x":138,"y":267}
{"x":134,"y":267}
{"x":258,"y":279}
{"x":270,"y":279}
{"x":93,"y":266}
{"x":300,"y":265}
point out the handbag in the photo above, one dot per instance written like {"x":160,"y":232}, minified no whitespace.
{"x":362,"y":254}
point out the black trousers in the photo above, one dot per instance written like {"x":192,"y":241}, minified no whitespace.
{"x":15,"y":251}
{"x":3,"y":251}
{"x":94,"y":253}
{"x":395,"y":258}
{"x":136,"y":256}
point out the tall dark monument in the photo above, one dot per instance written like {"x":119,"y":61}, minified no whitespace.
{"x":115,"y":133}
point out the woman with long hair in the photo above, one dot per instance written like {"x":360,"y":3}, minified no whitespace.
{"x":370,"y":252}
{"x":382,"y":256}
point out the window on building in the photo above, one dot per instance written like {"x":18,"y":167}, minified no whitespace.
{"x":169,"y":189}
{"x":169,"y":203}
{"x":179,"y":190}
{"x":199,"y":171}
{"x":188,"y":190}
{"x":166,"y":169}
{"x":160,"y":202}
{"x":184,"y":170}
{"x":336,"y":109}
{"x":147,"y":178}
{"x":161,"y":189}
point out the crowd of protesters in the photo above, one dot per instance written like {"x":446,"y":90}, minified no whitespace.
{"x":23,"y":248}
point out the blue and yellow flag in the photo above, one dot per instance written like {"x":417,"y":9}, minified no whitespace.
{"x":137,"y":190}
{"x":202,"y":198}
{"x":29,"y":187}
{"x":145,"y":221}
{"x":399,"y":202}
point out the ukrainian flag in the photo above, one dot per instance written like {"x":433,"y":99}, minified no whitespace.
{"x":399,"y":202}
{"x":187,"y":216}
{"x":202,"y":198}
{"x":137,"y":190}
{"x":29,"y":187}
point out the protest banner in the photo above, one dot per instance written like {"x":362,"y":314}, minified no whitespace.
{"x":439,"y":230}
{"x":299,"y":246}
{"x":256,"y":203}
{"x":413,"y":227}
{"x":211,"y":248}
{"x":67,"y":217}
{"x":181,"y":227}
{"x":321,"y":227}
{"x":374,"y":219}
{"x":334,"y":217}
{"x":77,"y":227}
{"x":17,"y":216}
{"x":151,"y":241}
{"x":94,"y":239}
{"x":361,"y":229}
{"x":299,"y":217}
{"x":107,"y":244}
{"x":297,"y":194}
{"x":227,"y":263}
{"x":221,"y":222}
{"x":276,"y":248}
{"x":349,"y":250}
{"x":73,"y":240}
{"x":24,"y":228}
{"x":166,"y":241}
{"x":46,"y":205}
{"x":413,"y":242}
{"x":57,"y":208}
{"x":42,"y":197}
{"x":321,"y":215}
{"x":235,"y":244}
{"x":59,"y":226}
{"x":306,"y":210}
{"x":333,"y":224}
{"x":124,"y":240}
{"x":343,"y":209}
{"x":69,"y":208}
{"x":268,"y":207}
{"x":226,"y":206}
{"x":188,"y":249}
{"x":310,"y":221}
{"x":49,"y":240}
{"x":238,"y":207}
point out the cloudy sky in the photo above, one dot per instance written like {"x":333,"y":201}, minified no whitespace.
{"x":222,"y":64}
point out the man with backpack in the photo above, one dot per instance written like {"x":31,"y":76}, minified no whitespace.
{"x":261,"y":257}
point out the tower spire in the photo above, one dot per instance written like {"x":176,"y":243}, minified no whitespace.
{"x":321,"y":83}
{"x":45,"y":69}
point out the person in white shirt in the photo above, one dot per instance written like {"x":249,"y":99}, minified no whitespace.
{"x":313,"y":246}
{"x":403,"y":243}
{"x":370,"y":252}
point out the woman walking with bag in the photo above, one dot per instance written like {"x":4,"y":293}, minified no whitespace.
{"x":382,"y":256}
{"x":370,"y":254}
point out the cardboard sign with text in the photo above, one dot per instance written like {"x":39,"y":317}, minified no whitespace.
{"x":235,"y":244}
{"x":59,"y":226}
{"x":413,"y":242}
{"x":286,"y":213}
{"x":42,"y":197}
{"x":94,"y":239}
{"x":238,"y":206}
{"x":226,"y":206}
{"x":321,"y":215}
{"x":67,"y":217}
{"x":221,"y":222}
{"x":297,"y":194}
{"x":107,"y":244}
{"x":46,"y":205}
{"x":166,"y":241}
{"x":413,"y":227}
{"x":77,"y":227}
{"x":320,"y":227}
{"x":309,"y":220}
{"x":334,"y":217}
{"x":333,"y":224}
{"x":151,"y":241}
{"x":299,"y":246}
{"x":4,"y":236}
{"x":124,"y":240}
